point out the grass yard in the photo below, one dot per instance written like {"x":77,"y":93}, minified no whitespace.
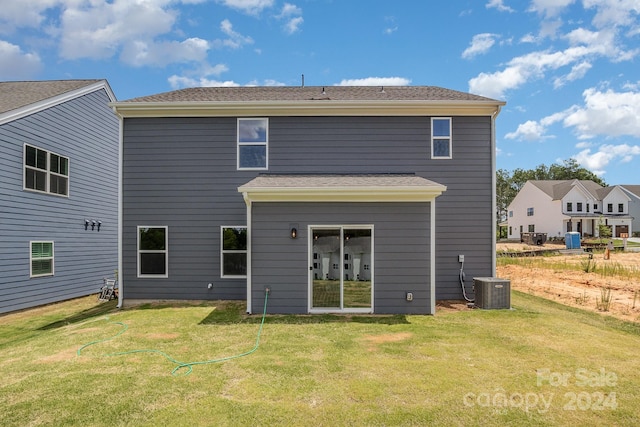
{"x":541,"y":363}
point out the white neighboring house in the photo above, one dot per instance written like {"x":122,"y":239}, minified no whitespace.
{"x":558,"y":207}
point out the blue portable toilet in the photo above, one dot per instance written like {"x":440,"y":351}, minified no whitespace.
{"x":572,"y":240}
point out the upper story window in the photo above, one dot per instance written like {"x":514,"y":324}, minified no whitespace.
{"x":587,"y":207}
{"x":579,"y":206}
{"x":234,"y":252}
{"x":620,"y":207}
{"x":45,"y":172}
{"x":253,"y":141}
{"x":595,"y":206}
{"x":510,"y":214}
{"x":569,"y":207}
{"x":153,"y":251}
{"x":441,"y":138}
{"x":610,"y":207}
{"x":529,"y":211}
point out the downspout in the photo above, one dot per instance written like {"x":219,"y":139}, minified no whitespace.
{"x":247,"y":200}
{"x":433,"y":257}
{"x":493,"y":192}
{"x":120,"y":199}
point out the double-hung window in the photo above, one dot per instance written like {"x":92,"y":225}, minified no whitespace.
{"x":41,"y":259}
{"x":45,"y":171}
{"x":153,"y":251}
{"x":253,"y":141}
{"x":569,"y":207}
{"x":441,"y":138}
{"x":233,"y":252}
{"x":529,"y":211}
{"x":620,"y":207}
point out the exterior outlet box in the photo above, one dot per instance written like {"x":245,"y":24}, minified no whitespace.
{"x":492,"y":293}
{"x":460,"y":258}
{"x":409,"y":296}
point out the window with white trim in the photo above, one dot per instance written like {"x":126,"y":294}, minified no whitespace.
{"x":41,"y":259}
{"x":529,"y":211}
{"x":253,"y":141}
{"x":153,"y":251}
{"x":45,"y":172}
{"x":441,"y":138}
{"x":233,"y":252}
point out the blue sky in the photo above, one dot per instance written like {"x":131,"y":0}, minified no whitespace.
{"x":569,"y":70}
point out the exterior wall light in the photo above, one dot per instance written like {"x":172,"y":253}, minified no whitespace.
{"x":294,"y":232}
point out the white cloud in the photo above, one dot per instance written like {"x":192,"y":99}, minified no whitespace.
{"x":498,"y":4}
{"x":578,"y":71}
{"x":549,"y":8}
{"x":98,"y":32}
{"x":291,"y":14}
{"x":528,"y":131}
{"x":532,"y":130}
{"x":606,"y":113}
{"x":181,"y":82}
{"x":235,"y":40}
{"x":16,"y":64}
{"x":25,"y":13}
{"x":613,"y":12}
{"x":293,"y":25}
{"x":290,"y":10}
{"x":599,"y":160}
{"x":160,"y":54}
{"x":251,"y":7}
{"x":375,"y":81}
{"x":480,"y":43}
{"x":583,"y":45}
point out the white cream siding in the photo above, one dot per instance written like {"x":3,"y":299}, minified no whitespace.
{"x":547,"y":214}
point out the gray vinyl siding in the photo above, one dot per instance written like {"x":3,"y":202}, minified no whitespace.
{"x":401,"y":252}
{"x":86,"y":131}
{"x":181,"y":172}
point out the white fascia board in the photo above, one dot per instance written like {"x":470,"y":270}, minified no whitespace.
{"x":342,"y":194}
{"x":36,"y":107}
{"x":305,"y":108}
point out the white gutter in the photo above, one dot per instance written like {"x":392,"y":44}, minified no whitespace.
{"x":303,"y":108}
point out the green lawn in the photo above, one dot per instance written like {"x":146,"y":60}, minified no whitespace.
{"x":538,"y":364}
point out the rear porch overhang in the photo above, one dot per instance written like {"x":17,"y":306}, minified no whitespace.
{"x":341,"y":188}
{"x":347,"y":188}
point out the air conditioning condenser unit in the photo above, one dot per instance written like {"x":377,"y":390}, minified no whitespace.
{"x":492,"y":293}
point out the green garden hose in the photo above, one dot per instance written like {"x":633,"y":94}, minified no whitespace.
{"x":180,"y":365}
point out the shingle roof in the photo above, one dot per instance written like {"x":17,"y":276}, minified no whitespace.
{"x":557,"y":189}
{"x":14,"y":95}
{"x":635,"y":189}
{"x":337,"y":180}
{"x":347,"y":188}
{"x":310,"y":93}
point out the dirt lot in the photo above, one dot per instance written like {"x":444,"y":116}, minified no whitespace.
{"x":577,"y":288}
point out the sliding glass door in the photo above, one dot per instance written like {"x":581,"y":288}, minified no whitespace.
{"x":341,"y":270}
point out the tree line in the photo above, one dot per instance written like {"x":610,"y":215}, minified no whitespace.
{"x":508,"y":184}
